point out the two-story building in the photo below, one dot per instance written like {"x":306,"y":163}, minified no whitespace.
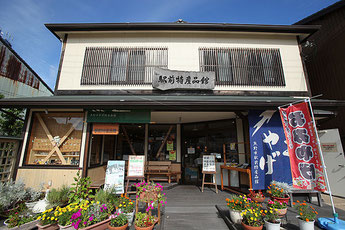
{"x":106,"y":106}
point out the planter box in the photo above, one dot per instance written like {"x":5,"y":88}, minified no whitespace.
{"x":26,"y":226}
{"x":47,"y":227}
{"x":98,"y":226}
{"x":68,"y":227}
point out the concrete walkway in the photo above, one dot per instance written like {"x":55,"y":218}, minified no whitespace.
{"x":189,"y":208}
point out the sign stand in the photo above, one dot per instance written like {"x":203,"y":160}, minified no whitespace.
{"x":209,"y":167}
{"x":135,"y":170}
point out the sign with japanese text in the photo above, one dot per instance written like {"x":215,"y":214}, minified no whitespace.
{"x":136,"y":166}
{"x":269,"y":153}
{"x":105,"y":129}
{"x":208,"y":163}
{"x":306,"y":166}
{"x":172,"y":155}
{"x":165,"y":79}
{"x":114,"y":176}
{"x":170,"y":145}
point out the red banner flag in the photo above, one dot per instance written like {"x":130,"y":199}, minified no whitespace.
{"x":305,"y":161}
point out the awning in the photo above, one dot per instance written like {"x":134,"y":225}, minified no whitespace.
{"x":163,"y":103}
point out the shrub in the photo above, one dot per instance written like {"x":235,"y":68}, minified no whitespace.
{"x":58,"y":197}
{"x":118,"y":220}
{"x":11,"y":193}
{"x":144,"y":220}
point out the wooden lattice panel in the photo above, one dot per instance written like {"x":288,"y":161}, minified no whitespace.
{"x":8,"y":150}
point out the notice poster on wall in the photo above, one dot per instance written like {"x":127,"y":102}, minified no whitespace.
{"x":114,"y":176}
{"x":136,"y":166}
{"x":208,"y":163}
{"x":172,"y":155}
{"x":170,"y":145}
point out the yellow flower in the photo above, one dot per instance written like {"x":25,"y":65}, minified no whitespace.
{"x":38,"y":218}
{"x":43,"y":218}
{"x":97,"y":202}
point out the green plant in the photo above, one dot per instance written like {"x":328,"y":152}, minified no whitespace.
{"x":107,"y":197}
{"x":276,"y":189}
{"x":271,"y":215}
{"x":17,"y":219}
{"x":236,"y":202}
{"x":32,"y":194}
{"x":11,"y":193}
{"x":277,"y":204}
{"x":58,"y":197}
{"x":125,"y":204}
{"x":253,"y":217}
{"x":144,"y":220}
{"x":81,"y":189}
{"x":306,"y":212}
{"x":118,"y":220}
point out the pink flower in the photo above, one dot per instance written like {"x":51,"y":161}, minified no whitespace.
{"x":91,"y":218}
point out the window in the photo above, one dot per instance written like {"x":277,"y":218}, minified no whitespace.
{"x":114,"y":65}
{"x":243,"y":66}
{"x":129,"y":141}
{"x":55,"y":139}
{"x":162,"y":143}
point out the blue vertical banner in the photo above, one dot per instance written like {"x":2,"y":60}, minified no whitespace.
{"x":269,"y":152}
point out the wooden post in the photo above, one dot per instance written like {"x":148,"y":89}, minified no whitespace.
{"x":163,"y":143}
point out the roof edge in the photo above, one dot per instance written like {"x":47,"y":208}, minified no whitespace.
{"x":144,"y":26}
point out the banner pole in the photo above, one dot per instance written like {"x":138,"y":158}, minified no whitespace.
{"x":321,"y":155}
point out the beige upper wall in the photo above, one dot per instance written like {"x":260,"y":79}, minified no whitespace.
{"x":182,"y":54}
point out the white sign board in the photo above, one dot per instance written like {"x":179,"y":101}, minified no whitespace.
{"x":208,"y":163}
{"x":136,"y":166}
{"x":114,"y":176}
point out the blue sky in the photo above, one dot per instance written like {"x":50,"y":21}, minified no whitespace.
{"x":24,"y":19}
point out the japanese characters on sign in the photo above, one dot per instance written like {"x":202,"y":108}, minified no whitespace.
{"x":136,"y":166}
{"x":306,"y":166}
{"x":269,"y":153}
{"x":208,"y":163}
{"x":165,"y":79}
{"x":114,"y":176}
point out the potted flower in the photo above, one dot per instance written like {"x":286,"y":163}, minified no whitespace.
{"x":307,"y":216}
{"x":126,"y":206}
{"x":47,"y":220}
{"x":118,"y":221}
{"x":149,"y":191}
{"x":257,"y":196}
{"x":278,"y":191}
{"x":64,"y":216}
{"x":144,"y":221}
{"x":252,"y":218}
{"x":279,"y":206}
{"x":90,"y":216}
{"x":271,"y":218}
{"x":12,"y":193}
{"x":22,"y":221}
{"x":236,"y":204}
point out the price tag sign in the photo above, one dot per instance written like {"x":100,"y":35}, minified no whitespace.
{"x":208,"y":163}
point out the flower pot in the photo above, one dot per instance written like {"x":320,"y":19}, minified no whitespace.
{"x":272,"y":226}
{"x":129,"y":215}
{"x":27,"y":226}
{"x":47,"y":227}
{"x":144,"y":228}
{"x":98,"y":226}
{"x":304,"y":225}
{"x":281,"y":199}
{"x":67,"y":227}
{"x":257,"y":199}
{"x":235,"y":216}
{"x":281,"y":211}
{"x":247,"y":227}
{"x":124,"y":227}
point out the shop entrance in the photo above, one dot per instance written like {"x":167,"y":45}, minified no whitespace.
{"x":204,"y":138}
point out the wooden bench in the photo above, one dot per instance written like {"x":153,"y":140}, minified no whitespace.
{"x":309,"y":194}
{"x":156,"y":169}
